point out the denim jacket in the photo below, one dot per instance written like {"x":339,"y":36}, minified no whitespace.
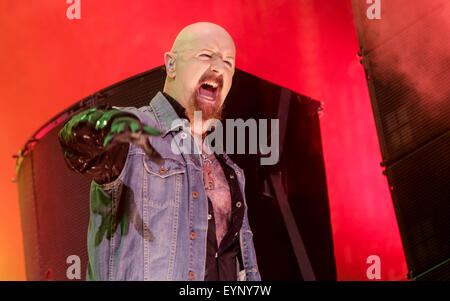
{"x":151,"y":222}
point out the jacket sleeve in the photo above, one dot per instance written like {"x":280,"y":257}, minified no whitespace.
{"x":82,"y":139}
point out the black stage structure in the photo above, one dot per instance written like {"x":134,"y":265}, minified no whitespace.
{"x":405,"y":56}
{"x":288,"y":202}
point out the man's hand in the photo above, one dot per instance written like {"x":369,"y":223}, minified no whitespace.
{"x":127,"y":129}
{"x":87,"y":138}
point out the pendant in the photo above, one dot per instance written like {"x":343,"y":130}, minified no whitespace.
{"x":207,"y":173}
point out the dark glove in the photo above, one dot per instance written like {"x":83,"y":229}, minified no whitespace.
{"x":128,"y":129}
{"x":96,"y":141}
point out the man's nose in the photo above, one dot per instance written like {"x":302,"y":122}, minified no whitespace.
{"x":218,"y":66}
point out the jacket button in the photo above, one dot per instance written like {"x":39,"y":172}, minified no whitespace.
{"x":231,"y":176}
{"x":194,"y":194}
{"x":209,"y":216}
{"x":191,"y":275}
{"x":238,"y":173}
{"x":162,"y":170}
{"x":238,"y":204}
{"x":193,"y":235}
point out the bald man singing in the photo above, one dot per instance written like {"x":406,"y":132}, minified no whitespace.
{"x":155,"y":213}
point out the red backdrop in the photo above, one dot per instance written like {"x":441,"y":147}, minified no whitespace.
{"x":49,"y":62}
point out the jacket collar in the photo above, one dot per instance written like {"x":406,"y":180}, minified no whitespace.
{"x":170,"y":115}
{"x":165,"y":113}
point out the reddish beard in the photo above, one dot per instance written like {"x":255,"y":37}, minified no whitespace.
{"x":209,"y":111}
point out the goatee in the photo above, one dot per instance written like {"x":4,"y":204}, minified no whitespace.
{"x":209,"y":111}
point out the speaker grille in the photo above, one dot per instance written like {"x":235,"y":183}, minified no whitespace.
{"x":421,"y":187}
{"x":412,"y":108}
{"x":405,"y":55}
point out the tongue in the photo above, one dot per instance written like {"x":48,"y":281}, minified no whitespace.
{"x":206,"y":92}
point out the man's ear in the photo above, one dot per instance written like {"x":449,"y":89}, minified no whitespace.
{"x":169,"y":60}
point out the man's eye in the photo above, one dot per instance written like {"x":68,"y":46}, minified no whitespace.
{"x":206,"y":55}
{"x":228,"y":63}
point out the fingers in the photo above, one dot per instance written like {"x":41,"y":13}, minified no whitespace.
{"x":134,"y":125}
{"x":151,"y":131}
{"x":130,"y":130}
{"x":152,"y":154}
{"x":141,"y":140}
{"x":109,"y":138}
{"x":123,"y":124}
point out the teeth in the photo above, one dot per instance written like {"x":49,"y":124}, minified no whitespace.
{"x":211,"y":83}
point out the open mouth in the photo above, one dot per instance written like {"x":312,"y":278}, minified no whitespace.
{"x":208,"y":91}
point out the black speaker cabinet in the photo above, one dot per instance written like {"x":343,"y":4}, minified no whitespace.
{"x":405,"y":55}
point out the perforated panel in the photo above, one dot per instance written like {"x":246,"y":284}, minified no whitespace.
{"x":405,"y":55}
{"x":62,"y":199}
{"x":28,"y":217}
{"x":421,"y":188}
{"x":137,"y":91}
{"x":412,"y":102}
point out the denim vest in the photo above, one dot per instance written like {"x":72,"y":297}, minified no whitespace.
{"x":151,"y":222}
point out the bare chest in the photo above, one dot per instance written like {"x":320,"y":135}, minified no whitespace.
{"x":218,"y":191}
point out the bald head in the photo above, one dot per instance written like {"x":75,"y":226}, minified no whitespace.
{"x":200,"y":68}
{"x":199,"y":33}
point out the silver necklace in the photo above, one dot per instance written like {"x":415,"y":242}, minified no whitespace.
{"x":208,"y":179}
